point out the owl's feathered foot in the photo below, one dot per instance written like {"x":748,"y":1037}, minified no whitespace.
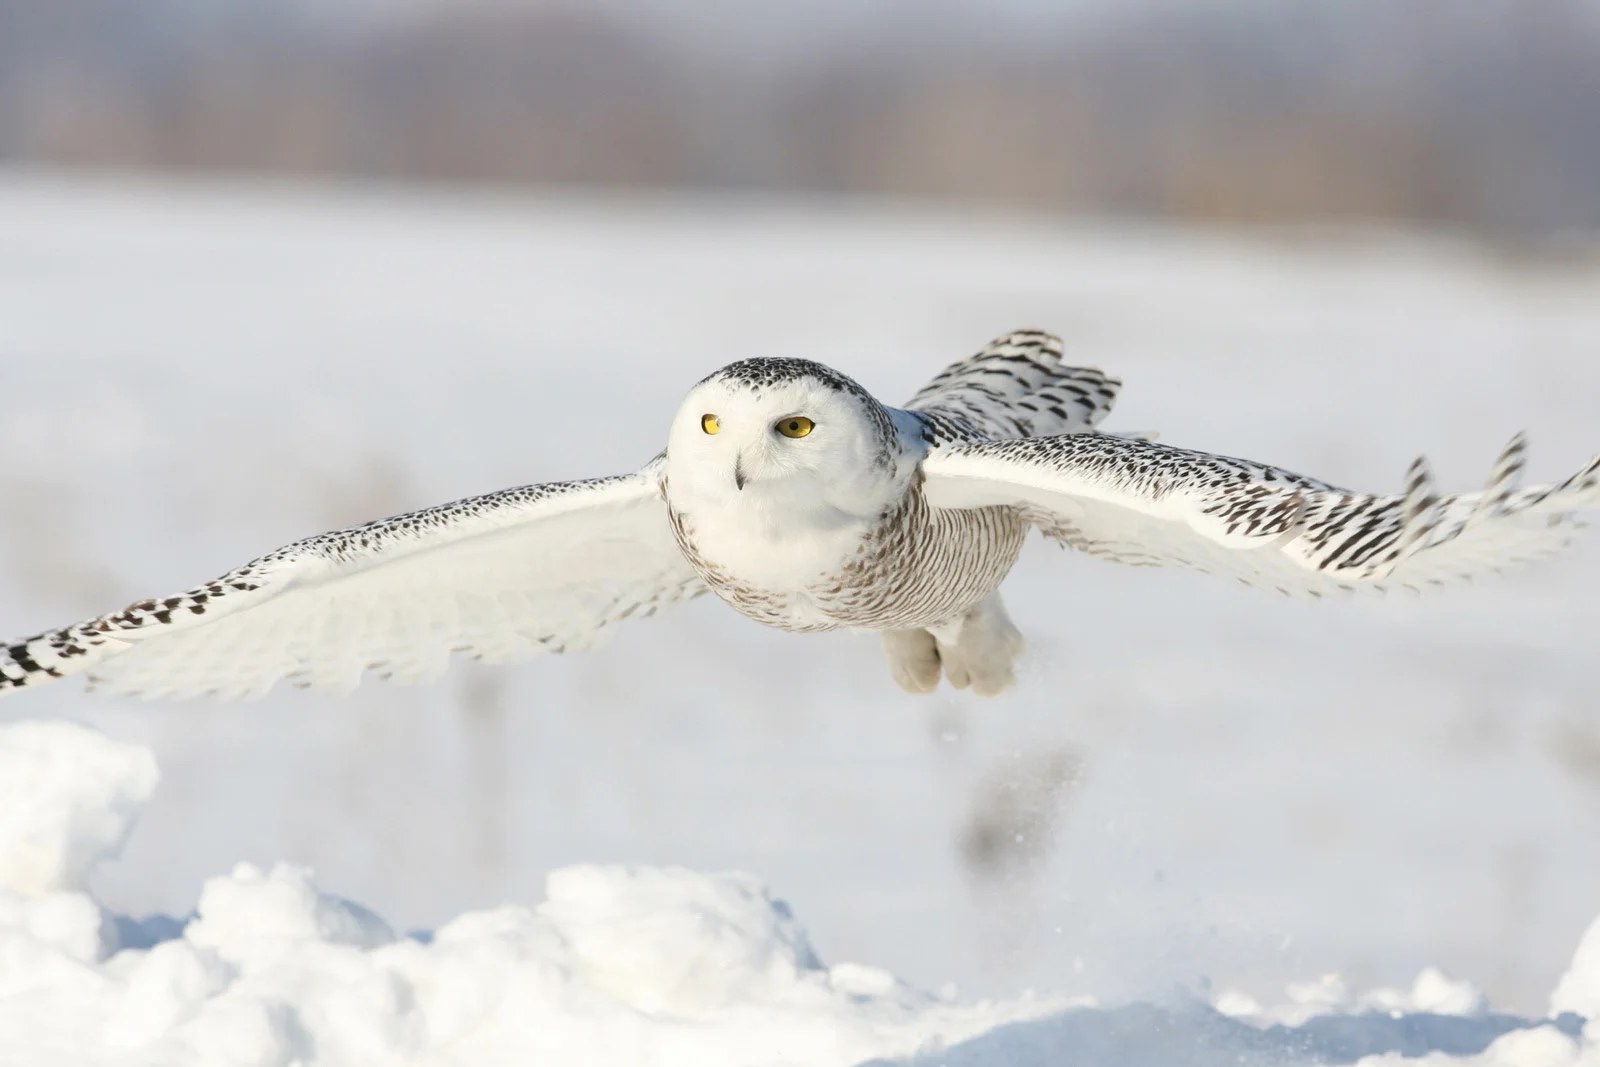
{"x":978,"y":649}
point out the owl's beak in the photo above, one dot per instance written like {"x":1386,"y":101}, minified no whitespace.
{"x":738,"y":472}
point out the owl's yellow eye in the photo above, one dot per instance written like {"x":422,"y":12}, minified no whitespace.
{"x":795,"y":426}
{"x":709,"y":424}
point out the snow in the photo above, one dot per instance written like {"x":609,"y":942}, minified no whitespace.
{"x":618,"y":965}
{"x":1193,"y":788}
{"x":1432,"y":993}
{"x":70,"y":797}
{"x":1579,"y":988}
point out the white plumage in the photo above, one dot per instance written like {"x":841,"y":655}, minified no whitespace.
{"x":1156,"y":506}
{"x":805,"y":504}
{"x":500,"y":578}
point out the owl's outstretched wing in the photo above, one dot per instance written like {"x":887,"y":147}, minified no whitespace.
{"x":1146,"y":504}
{"x":541,"y":568}
{"x":1016,"y":386}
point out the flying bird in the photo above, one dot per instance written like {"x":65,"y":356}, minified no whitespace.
{"x":805,"y":504}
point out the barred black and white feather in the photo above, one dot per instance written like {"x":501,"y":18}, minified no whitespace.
{"x":1015,"y":386}
{"x":1148,"y":504}
{"x":805,"y":504}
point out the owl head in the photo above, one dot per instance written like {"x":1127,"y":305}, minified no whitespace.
{"x":783,"y":433}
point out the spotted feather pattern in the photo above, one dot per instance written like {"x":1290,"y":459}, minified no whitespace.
{"x":1147,"y":504}
{"x":762,"y":373}
{"x":540,"y":568}
{"x":917,"y":566}
{"x":1016,"y":386}
{"x":995,"y":443}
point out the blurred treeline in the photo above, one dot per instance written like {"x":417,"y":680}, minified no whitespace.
{"x":1477,"y":114}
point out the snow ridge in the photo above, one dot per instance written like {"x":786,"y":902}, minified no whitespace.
{"x":619,"y":965}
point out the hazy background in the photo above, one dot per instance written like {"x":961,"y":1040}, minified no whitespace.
{"x":1482,"y":115}
{"x":266,"y":269}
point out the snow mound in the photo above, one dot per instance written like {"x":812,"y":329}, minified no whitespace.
{"x":677,"y":942}
{"x":1433,"y":993}
{"x":1579,"y":989}
{"x":68,"y":798}
{"x":618,"y":965}
{"x":248,"y":913}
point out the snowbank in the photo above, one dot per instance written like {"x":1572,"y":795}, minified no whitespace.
{"x":1579,"y":989}
{"x":68,"y":797}
{"x":618,"y":965}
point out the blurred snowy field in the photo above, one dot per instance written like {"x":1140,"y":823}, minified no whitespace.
{"x":1193,"y":786}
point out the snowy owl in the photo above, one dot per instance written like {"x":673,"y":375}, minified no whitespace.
{"x":804,"y":503}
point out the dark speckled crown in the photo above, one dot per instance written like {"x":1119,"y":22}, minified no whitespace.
{"x":765,"y":372}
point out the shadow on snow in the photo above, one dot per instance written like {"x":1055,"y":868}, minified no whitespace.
{"x":1197,"y":1035}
